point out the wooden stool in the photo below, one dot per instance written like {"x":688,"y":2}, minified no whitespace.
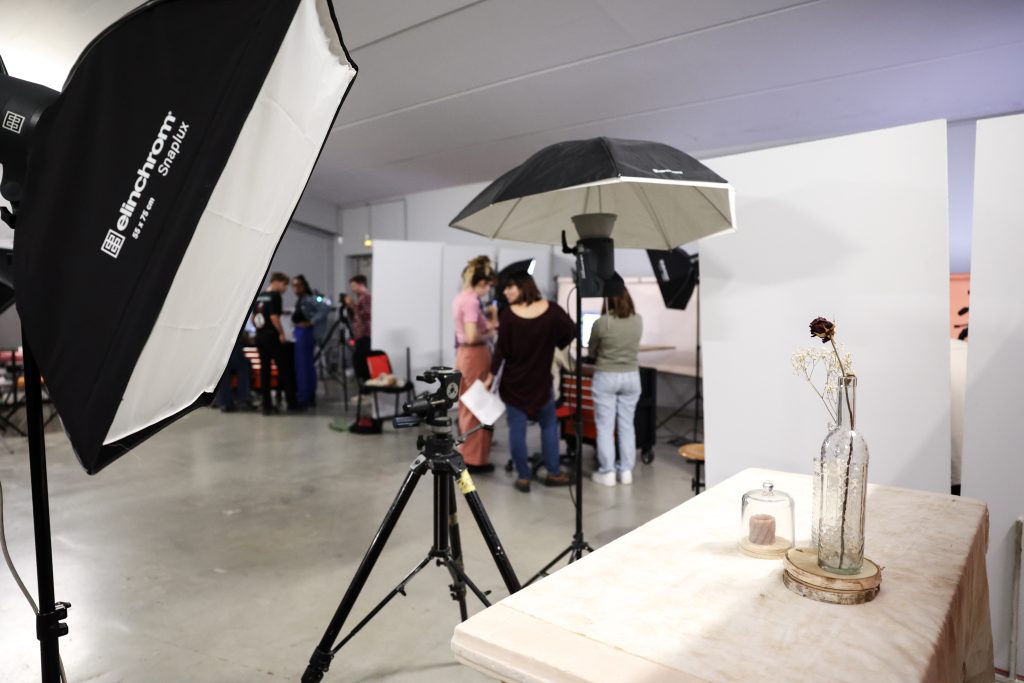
{"x":694,"y":453}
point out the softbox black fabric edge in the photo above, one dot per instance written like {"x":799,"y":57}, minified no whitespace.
{"x":108,"y":453}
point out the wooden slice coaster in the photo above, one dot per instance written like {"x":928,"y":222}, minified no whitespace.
{"x":803,"y":576}
{"x":775,"y":551}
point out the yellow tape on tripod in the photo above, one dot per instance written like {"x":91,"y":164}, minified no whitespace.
{"x":466,"y":483}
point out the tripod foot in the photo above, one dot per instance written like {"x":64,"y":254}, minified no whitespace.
{"x":319,"y":663}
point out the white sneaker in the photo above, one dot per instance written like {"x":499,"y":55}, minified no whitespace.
{"x":605,"y":479}
{"x":625,"y":478}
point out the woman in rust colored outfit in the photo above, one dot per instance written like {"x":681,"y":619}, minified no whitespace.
{"x":473,"y":356}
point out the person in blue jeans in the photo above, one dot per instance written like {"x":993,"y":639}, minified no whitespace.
{"x":615,"y":342}
{"x":238,"y":365}
{"x":308,"y":317}
{"x":529,"y":330}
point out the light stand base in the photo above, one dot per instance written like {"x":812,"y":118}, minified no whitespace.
{"x":574,"y":552}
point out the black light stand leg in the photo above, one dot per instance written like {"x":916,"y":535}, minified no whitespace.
{"x":447,"y":542}
{"x":49,"y":624}
{"x":320,"y":661}
{"x":497,"y":551}
{"x":579,"y":544}
{"x":697,"y":400}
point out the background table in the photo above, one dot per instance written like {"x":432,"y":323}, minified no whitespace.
{"x":675,"y":600}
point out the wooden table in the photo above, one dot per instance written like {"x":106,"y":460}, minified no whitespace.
{"x":675,"y":600}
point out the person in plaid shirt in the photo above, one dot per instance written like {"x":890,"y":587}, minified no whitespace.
{"x":359,"y":311}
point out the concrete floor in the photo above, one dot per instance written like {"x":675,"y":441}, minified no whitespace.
{"x":219,"y":550}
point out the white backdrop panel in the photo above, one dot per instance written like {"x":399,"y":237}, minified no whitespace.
{"x":854,"y":229}
{"x":455,"y":259}
{"x":406,"y":287}
{"x":993,"y":469}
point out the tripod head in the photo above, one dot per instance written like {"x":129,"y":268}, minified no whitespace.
{"x":432,"y":407}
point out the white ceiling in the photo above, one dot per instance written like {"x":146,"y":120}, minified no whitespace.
{"x":458,"y":91}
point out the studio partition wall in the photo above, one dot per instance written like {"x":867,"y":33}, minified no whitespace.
{"x":993,"y":466}
{"x":406,"y":281}
{"x":854,"y":229}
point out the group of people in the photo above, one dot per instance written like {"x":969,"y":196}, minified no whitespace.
{"x":296,"y":363}
{"x":514,"y":349}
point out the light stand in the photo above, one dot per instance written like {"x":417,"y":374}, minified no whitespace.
{"x":17,"y":95}
{"x":344,"y":329}
{"x":594,"y":230}
{"x":438,"y":455}
{"x":697,"y":400}
{"x":49,"y":621}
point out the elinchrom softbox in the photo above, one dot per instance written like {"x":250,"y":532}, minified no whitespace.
{"x":159,"y":184}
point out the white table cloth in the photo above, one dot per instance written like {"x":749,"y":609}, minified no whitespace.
{"x":675,"y":600}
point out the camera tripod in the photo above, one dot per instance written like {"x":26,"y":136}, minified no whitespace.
{"x":437,"y":455}
{"x":324,"y":356}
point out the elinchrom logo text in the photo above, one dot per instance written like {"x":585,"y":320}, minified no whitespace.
{"x":113,"y":241}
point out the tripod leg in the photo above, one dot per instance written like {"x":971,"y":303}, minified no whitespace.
{"x":544,"y":570}
{"x":320,"y":661}
{"x":458,"y":585}
{"x":508,"y":574}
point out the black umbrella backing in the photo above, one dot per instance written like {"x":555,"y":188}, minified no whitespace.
{"x":662,"y":197}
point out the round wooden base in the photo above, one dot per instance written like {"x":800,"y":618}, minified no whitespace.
{"x":803,"y":576}
{"x":775,"y":551}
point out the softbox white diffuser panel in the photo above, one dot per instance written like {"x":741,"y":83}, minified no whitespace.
{"x":853,"y":229}
{"x":993,"y":466}
{"x":220,"y":146}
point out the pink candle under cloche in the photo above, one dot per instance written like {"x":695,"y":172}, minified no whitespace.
{"x":762,"y":529}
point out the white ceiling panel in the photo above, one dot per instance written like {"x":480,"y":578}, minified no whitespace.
{"x":490,"y":43}
{"x":458,"y":91}
{"x":368,"y":21}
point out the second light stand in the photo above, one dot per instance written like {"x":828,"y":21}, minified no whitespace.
{"x":579,"y":544}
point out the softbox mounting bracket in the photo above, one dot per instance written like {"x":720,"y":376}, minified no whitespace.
{"x":51,"y":624}
{"x":22,"y":103}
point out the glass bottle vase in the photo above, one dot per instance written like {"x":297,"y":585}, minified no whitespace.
{"x":816,"y":490}
{"x":843,"y":482}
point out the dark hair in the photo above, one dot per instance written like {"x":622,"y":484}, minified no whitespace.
{"x":361,"y":279}
{"x":279,"y":277}
{"x":524,"y":282}
{"x":305,"y":284}
{"x":620,"y":306}
{"x":479,"y":275}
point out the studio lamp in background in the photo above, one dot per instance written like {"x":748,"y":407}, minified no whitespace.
{"x":610,"y":192}
{"x":148,"y":199}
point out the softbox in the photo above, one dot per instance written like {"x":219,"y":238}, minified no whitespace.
{"x":677,"y":273}
{"x":158,"y":186}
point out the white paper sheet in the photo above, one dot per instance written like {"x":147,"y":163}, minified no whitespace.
{"x":484,"y":405}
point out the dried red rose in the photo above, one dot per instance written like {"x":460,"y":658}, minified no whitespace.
{"x":824,"y":329}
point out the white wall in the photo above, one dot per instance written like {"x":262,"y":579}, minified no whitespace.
{"x":854,"y":229}
{"x":317,"y":213}
{"x":405,"y":302}
{"x":993,"y":466}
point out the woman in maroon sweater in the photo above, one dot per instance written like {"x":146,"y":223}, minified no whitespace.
{"x":530,"y":329}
